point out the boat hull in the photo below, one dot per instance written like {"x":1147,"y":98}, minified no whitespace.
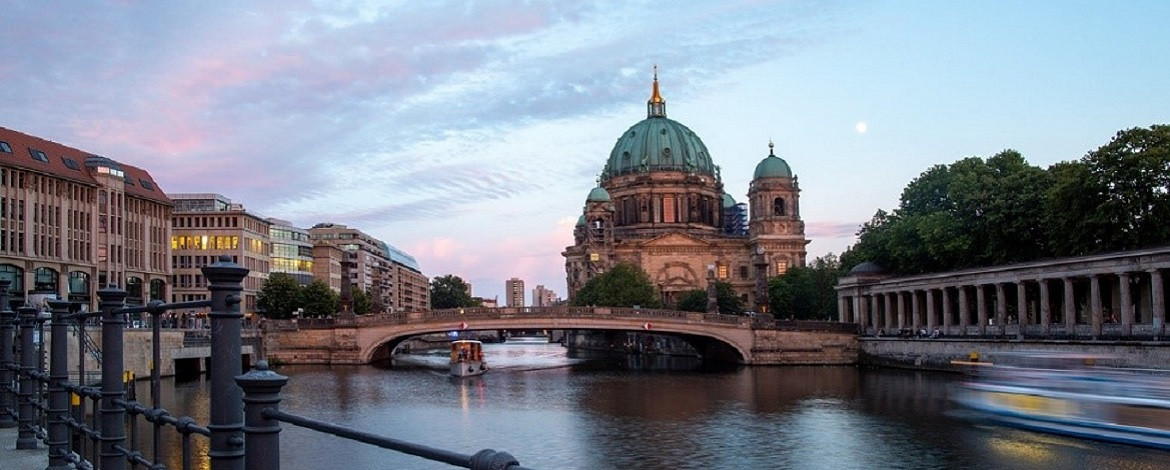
{"x":468,"y":368}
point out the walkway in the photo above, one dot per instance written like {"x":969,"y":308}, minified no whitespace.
{"x":28,"y":459}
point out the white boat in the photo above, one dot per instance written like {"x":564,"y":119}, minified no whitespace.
{"x":1068,"y":394}
{"x":467,"y":358}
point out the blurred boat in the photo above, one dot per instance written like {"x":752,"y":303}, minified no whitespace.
{"x":467,"y":358}
{"x":1070,"y":394}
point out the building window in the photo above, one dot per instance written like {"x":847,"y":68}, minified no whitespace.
{"x":722,"y":271}
{"x":743,"y":272}
{"x":38,"y":155}
{"x":781,"y":267}
{"x":4,"y":147}
{"x":778,"y":206}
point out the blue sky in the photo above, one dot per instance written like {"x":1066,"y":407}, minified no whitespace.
{"x":469,"y":134}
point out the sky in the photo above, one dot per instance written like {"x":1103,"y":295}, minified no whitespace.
{"x":469,"y":133}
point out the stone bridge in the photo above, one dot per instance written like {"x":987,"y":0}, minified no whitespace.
{"x":731,"y":338}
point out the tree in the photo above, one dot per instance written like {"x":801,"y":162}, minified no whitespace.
{"x":450,"y":291}
{"x":319,"y":299}
{"x":280,"y":296}
{"x":625,"y":285}
{"x":806,"y":293}
{"x":696,"y":300}
{"x":363,"y":302}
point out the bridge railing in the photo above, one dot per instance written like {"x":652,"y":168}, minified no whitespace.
{"x":56,"y":415}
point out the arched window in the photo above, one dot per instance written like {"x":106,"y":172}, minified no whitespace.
{"x":778,"y":207}
{"x":134,"y":290}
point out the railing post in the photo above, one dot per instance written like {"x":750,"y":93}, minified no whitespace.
{"x":261,"y":435}
{"x":113,"y":425}
{"x":224,"y":280}
{"x":26,"y":437}
{"x":58,"y":375}
{"x":7,"y":328}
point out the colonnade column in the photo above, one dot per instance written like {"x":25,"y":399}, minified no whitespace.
{"x":1159,"y":302}
{"x":871,"y":311}
{"x":842,"y":306}
{"x":915,"y":311}
{"x":858,"y":315}
{"x":1095,"y":303}
{"x":946,"y":310}
{"x":981,"y":308}
{"x":1021,"y":308}
{"x":901,"y":310}
{"x":931,"y":321}
{"x":1000,"y":308}
{"x":1126,"y":304}
{"x":1045,"y":313}
{"x":964,"y":311}
{"x":889,"y":310}
{"x":1070,"y":308}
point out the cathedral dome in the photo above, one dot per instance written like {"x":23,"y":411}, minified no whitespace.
{"x":598,"y":194}
{"x":581,"y":221}
{"x":728,"y":201}
{"x":772,"y":166}
{"x":658,"y":144}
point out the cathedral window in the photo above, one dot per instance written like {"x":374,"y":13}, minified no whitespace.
{"x":778,"y":206}
{"x":781,"y":267}
{"x":743,"y":272}
{"x":722,"y":271}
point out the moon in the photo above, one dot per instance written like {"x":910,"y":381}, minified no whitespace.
{"x":861,"y":127}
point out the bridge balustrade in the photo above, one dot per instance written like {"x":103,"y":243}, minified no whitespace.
{"x":49,"y":408}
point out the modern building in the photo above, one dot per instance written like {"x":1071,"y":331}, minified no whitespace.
{"x":412,"y":289}
{"x":72,"y":222}
{"x":292,"y":251}
{"x":206,"y":226}
{"x":329,"y":265}
{"x":514,"y":292}
{"x":367,"y":268}
{"x":542,"y":297}
{"x":660,"y":204}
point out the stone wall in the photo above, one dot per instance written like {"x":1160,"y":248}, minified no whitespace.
{"x":313,"y":346}
{"x":784,"y":347}
{"x":938,"y":354}
{"x":138,"y":352}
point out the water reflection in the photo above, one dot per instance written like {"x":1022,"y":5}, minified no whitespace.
{"x":553,"y":410}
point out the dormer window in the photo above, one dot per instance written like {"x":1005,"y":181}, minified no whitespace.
{"x":4,"y":147}
{"x":38,"y":155}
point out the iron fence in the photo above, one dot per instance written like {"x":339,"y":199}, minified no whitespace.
{"x":91,"y":426}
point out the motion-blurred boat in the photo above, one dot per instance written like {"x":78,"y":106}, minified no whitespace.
{"x":467,"y":358}
{"x":1069,"y":394}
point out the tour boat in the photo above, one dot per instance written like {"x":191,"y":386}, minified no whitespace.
{"x":1067,"y":394}
{"x":467,"y":358}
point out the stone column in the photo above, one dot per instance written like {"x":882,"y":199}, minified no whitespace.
{"x":858,"y":314}
{"x":964,"y":310}
{"x":875,"y":313}
{"x":946,"y":310}
{"x":842,"y":306}
{"x":1021,"y":308}
{"x":1158,"y":301}
{"x":1095,"y":303}
{"x":889,"y":310}
{"x":981,"y":308}
{"x":1045,"y":313}
{"x":901,"y":310}
{"x":1126,"y":304}
{"x":1070,"y":308}
{"x":1000,"y":309}
{"x":931,"y":319}
{"x":915,"y":310}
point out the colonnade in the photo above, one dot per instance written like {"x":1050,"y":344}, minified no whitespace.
{"x":1116,"y":295}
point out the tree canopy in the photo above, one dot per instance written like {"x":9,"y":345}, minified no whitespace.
{"x":450,"y":291}
{"x":977,"y":212}
{"x":363,"y":302}
{"x":696,"y":300}
{"x":280,"y":296}
{"x":806,"y":293}
{"x":319,"y":299}
{"x":625,"y":285}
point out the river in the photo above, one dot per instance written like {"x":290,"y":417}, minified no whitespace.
{"x":554,"y":411}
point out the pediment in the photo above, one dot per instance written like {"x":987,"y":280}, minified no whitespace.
{"x":675,"y":239}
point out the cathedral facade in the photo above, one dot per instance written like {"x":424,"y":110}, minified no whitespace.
{"x":660,"y":204}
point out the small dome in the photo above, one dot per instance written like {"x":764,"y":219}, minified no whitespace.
{"x":581,"y":221}
{"x":598,"y":194}
{"x":868,"y":267}
{"x":772,"y":166}
{"x":728,"y":201}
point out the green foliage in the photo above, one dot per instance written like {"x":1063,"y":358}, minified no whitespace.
{"x":625,"y":285}
{"x":806,"y":293}
{"x":280,"y":296}
{"x":363,"y":302}
{"x":1003,"y":210}
{"x":696,"y":300}
{"x":319,"y":300}
{"x":450,"y":291}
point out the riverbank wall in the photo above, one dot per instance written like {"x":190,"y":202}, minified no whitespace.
{"x":941,"y":354}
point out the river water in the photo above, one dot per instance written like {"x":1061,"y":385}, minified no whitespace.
{"x":554,"y":411}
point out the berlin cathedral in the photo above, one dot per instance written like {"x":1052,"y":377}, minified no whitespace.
{"x":660,"y":205}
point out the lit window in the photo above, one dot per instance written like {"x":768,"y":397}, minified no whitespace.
{"x":722,"y":271}
{"x":781,"y":267}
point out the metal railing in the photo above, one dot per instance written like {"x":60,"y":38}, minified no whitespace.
{"x":85,"y":426}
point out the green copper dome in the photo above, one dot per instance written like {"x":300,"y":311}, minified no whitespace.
{"x":598,"y":194}
{"x":658,"y":144}
{"x":772,"y":166}
{"x":581,"y":221}
{"x":728,"y":201}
